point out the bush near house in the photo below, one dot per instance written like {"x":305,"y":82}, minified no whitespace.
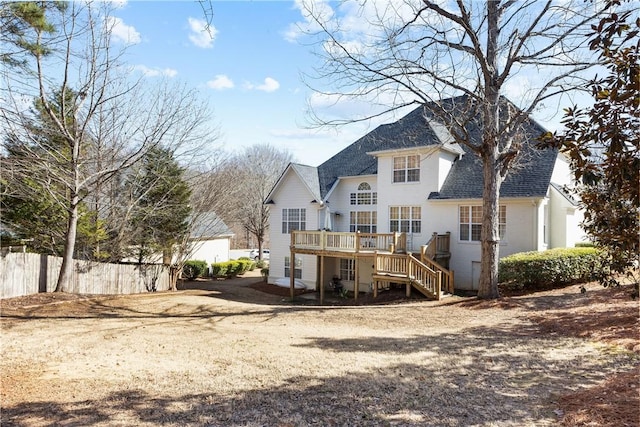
{"x":551,"y":268}
{"x":231,"y":268}
{"x":253,"y":264}
{"x":194,"y":268}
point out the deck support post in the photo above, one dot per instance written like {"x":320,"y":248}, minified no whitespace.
{"x":292,"y":278}
{"x":357,"y":276}
{"x":321,"y":279}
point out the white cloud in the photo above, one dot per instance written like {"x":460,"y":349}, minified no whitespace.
{"x":220,"y":82}
{"x":269,"y":85}
{"x":155,"y":72}
{"x":202,"y":35}
{"x":121,"y":31}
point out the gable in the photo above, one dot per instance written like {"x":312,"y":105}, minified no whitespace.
{"x":411,"y":131}
{"x":308,"y":177}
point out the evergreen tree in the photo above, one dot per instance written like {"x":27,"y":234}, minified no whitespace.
{"x":160,"y":217}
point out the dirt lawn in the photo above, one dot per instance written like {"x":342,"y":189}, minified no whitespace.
{"x":226,"y":354}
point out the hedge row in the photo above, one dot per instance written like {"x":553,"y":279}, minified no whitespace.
{"x":232,"y":268}
{"x":554,"y":267}
{"x":194,"y":268}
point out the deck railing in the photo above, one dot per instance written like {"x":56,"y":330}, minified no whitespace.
{"x":408,"y":268}
{"x":437,"y":245}
{"x":356,"y":242}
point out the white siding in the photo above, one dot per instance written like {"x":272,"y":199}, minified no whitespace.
{"x":340,"y":201}
{"x":445,"y":162}
{"x":291,"y":194}
{"x":561,"y":172}
{"x":411,"y":193}
{"x":522,"y":233}
{"x":565,"y":222}
{"x":213,"y":250}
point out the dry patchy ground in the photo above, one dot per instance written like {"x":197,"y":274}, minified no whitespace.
{"x":226,"y":354}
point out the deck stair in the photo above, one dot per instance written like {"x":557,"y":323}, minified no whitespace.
{"x":409,"y":270}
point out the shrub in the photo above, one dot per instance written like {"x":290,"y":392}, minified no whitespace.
{"x":265,"y":273}
{"x":585,"y":245}
{"x":551,"y":268}
{"x":261,"y":263}
{"x":232,"y":268}
{"x":244,"y":265}
{"x":193,"y":269}
{"x":252,"y":265}
{"x":219,"y":269}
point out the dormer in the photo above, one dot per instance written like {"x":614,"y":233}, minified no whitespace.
{"x":423,"y":167}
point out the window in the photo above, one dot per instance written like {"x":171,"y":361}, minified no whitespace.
{"x":364,"y":222}
{"x":406,"y":168}
{"x":364,"y":195}
{"x":347,"y":269}
{"x":407,"y":219}
{"x":297,"y":271}
{"x":293,"y":219}
{"x":471,"y":222}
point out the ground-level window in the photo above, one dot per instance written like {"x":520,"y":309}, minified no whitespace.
{"x":406,"y":219}
{"x":406,"y":168}
{"x":297,"y":269}
{"x":364,"y":195}
{"x":347,"y":269}
{"x":293,"y":219}
{"x":364,"y":222}
{"x":471,"y":222}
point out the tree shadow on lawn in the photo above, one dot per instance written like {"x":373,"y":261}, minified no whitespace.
{"x":481,"y":377}
{"x":601,"y":314}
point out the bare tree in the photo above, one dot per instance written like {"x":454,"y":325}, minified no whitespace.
{"x":210,"y":197}
{"x":254,"y":172}
{"x":106,"y":121}
{"x":458,"y":59}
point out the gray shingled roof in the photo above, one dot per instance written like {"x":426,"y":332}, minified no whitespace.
{"x":412,"y":130}
{"x":309,"y":174}
{"x":530,"y":178}
{"x":209,"y":225}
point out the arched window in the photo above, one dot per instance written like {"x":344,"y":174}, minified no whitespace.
{"x":364,"y":195}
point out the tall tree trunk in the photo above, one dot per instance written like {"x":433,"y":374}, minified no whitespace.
{"x":69,"y":247}
{"x":490,"y":153}
{"x":490,"y":240}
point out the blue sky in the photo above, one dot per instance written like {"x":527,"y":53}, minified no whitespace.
{"x":250,"y":70}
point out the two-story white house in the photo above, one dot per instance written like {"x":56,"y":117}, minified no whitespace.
{"x":404,"y":204}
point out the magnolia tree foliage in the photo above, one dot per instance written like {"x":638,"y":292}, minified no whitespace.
{"x":603,"y":144}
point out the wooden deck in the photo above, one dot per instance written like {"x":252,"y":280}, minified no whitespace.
{"x":328,"y":241}
{"x":392,"y":262}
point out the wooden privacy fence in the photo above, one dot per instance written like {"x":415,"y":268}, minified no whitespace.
{"x":26,"y":273}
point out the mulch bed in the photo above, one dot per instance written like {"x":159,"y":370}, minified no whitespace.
{"x":390,"y":296}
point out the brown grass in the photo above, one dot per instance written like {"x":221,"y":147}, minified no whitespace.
{"x":240,"y":353}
